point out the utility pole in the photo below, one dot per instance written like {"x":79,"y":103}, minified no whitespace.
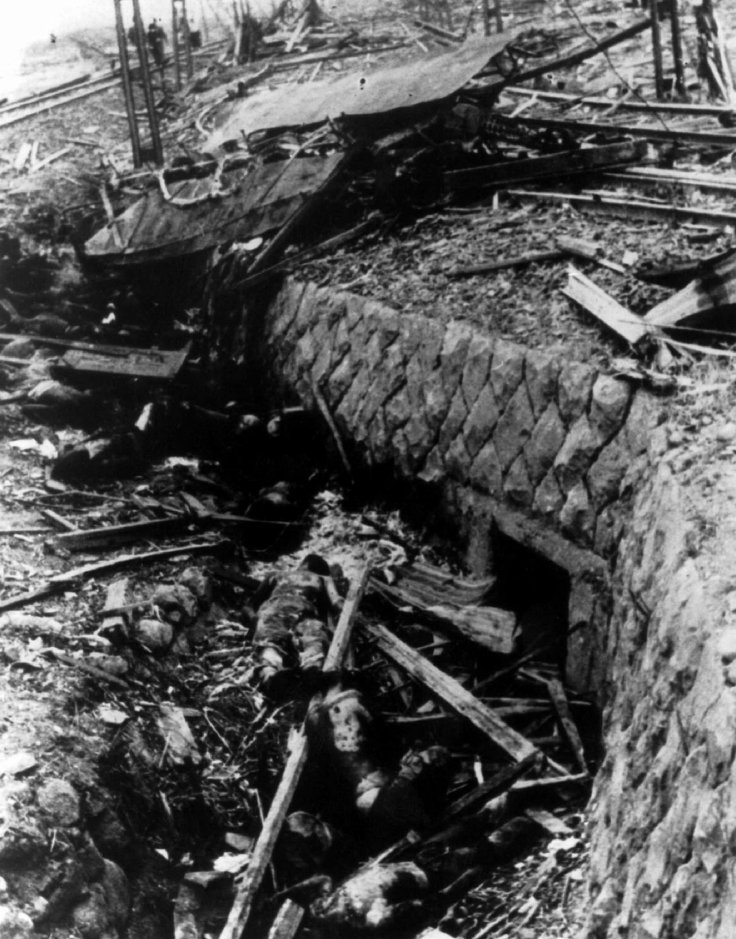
{"x":140,"y":38}
{"x":657,"y":50}
{"x":677,"y":49}
{"x":135,"y":139}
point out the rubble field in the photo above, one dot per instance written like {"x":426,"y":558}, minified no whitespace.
{"x":251,"y":689}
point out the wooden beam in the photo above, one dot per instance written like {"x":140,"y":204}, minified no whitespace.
{"x":569,"y":728}
{"x":630,"y":104}
{"x":523,"y":260}
{"x":712,"y":290}
{"x":132,"y":560}
{"x":610,"y":312}
{"x":555,"y":165}
{"x":629,"y":208}
{"x":498,"y":783}
{"x":649,"y":131}
{"x":260,"y":858}
{"x":575,"y":58}
{"x":96,"y":539}
{"x":453,"y":693}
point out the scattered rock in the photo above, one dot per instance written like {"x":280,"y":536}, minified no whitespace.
{"x":727,"y":646}
{"x":15,"y":764}
{"x":112,"y":664}
{"x":59,"y":802}
{"x":155,"y":634}
{"x":199,"y":584}
{"x":726,"y":432}
{"x":15,"y":924}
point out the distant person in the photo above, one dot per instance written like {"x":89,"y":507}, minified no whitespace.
{"x":53,"y":38}
{"x":156,"y":38}
{"x":195,"y":36}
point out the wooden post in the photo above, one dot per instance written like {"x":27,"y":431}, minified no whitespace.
{"x":261,"y":856}
{"x":657,"y":50}
{"x":140,"y":34}
{"x":486,"y":19}
{"x":498,"y":15}
{"x":187,"y":40}
{"x":680,"y":87}
{"x":135,"y":139}
{"x":175,"y":43}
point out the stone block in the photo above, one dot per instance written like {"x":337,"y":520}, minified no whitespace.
{"x":609,"y":402}
{"x":437,"y":399}
{"x":485,"y":472}
{"x":453,"y":423}
{"x":607,"y":533}
{"x":540,"y":373}
{"x":457,"y":460}
{"x":481,"y":420}
{"x":433,"y":471}
{"x":341,"y":379}
{"x":397,"y":410}
{"x":577,"y":517}
{"x":576,"y":454}
{"x":514,"y":427}
{"x":545,"y":442}
{"x":454,"y":352}
{"x":305,"y":314}
{"x":351,"y":410}
{"x":341,"y":345}
{"x":305,"y":353}
{"x":283,"y":310}
{"x":574,"y":386}
{"x":418,"y":436}
{"x":517,"y":487}
{"x":477,"y":367}
{"x":645,"y":413}
{"x":507,"y":371}
{"x":605,"y":475}
{"x":59,"y":802}
{"x":548,"y":498}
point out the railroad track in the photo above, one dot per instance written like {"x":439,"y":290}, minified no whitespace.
{"x":26,"y":108}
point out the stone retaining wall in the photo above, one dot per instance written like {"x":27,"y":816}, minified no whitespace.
{"x":465,"y":411}
{"x":571,"y":463}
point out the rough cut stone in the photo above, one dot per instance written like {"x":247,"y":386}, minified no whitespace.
{"x":540,"y":373}
{"x":477,"y":366}
{"x":397,"y":411}
{"x":481,"y":421}
{"x":198,"y":583}
{"x":576,"y":516}
{"x":507,"y":371}
{"x":485,"y":473}
{"x":727,"y":645}
{"x":433,"y":470}
{"x":457,"y":460}
{"x":456,"y":417}
{"x":307,"y":309}
{"x":156,"y":635}
{"x":514,"y":428}
{"x":605,"y":475}
{"x":15,"y":924}
{"x":573,"y":390}
{"x":454,"y":353}
{"x":437,"y":399}
{"x":548,"y":498}
{"x":609,"y":402}
{"x":419,"y":438}
{"x":644,"y":414}
{"x":306,"y":353}
{"x":576,"y":454}
{"x":545,"y":442}
{"x":517,"y":487}
{"x":340,"y":381}
{"x":59,"y":802}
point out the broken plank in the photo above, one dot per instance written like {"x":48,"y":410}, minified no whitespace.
{"x":589,"y":251}
{"x":497,"y":784}
{"x":452,"y":692}
{"x":655,"y":176}
{"x":488,"y":626}
{"x":551,"y":824}
{"x":629,"y":208}
{"x":287,"y":921}
{"x":575,"y":58}
{"x":131,"y":560}
{"x":260,"y":858}
{"x":569,"y":728}
{"x":23,"y":599}
{"x":714,"y":289}
{"x":610,"y":312}
{"x":96,"y":539}
{"x":523,"y":260}
{"x":58,"y":521}
{"x":590,"y":101}
{"x":649,"y":132}
{"x":550,"y":782}
{"x":556,"y":166}
{"x":114,"y":621}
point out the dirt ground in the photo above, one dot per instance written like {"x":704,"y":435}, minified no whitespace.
{"x":59,"y":721}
